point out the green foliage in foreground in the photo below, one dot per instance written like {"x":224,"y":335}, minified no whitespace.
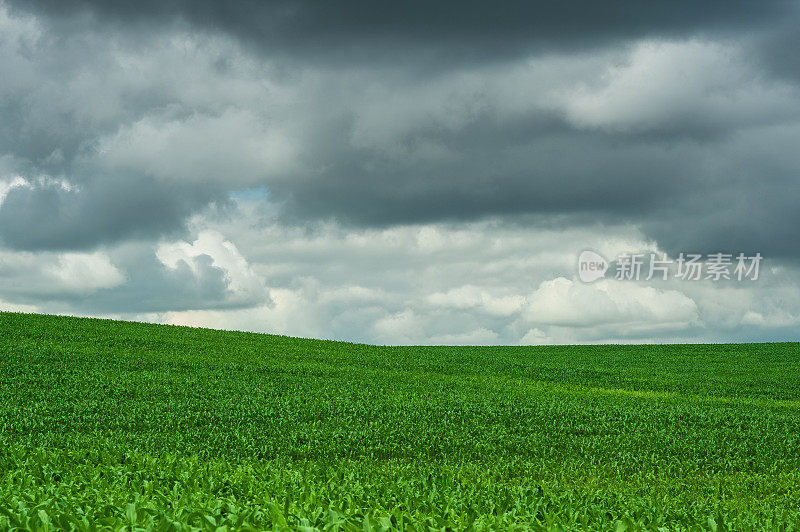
{"x":109,"y":425}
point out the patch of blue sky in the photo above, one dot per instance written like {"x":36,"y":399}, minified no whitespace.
{"x":249,"y":194}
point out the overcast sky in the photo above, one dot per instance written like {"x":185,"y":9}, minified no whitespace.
{"x":401,"y":172}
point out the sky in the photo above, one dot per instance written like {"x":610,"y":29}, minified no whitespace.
{"x":403,"y":172}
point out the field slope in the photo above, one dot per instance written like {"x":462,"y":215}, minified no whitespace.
{"x":110,"y":424}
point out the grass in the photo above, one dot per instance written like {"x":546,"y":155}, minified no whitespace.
{"x":113,"y":425}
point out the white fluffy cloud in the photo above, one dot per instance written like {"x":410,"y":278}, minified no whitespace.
{"x":242,"y":282}
{"x":474,"y":297}
{"x":15,"y":181}
{"x":8,"y":184}
{"x":626,"y":305}
{"x":57,"y":275}
{"x":85,"y":271}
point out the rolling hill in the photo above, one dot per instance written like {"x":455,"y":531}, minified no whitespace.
{"x":109,"y":424}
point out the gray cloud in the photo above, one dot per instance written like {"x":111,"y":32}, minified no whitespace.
{"x":48,"y":216}
{"x":151,"y":287}
{"x":542,"y":175}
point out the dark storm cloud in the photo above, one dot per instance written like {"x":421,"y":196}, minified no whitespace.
{"x":561,"y":172}
{"x":478,"y":30}
{"x":663,"y":167}
{"x":760,"y":216}
{"x":776,"y":50}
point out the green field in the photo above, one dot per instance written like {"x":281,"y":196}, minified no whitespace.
{"x":116,"y":425}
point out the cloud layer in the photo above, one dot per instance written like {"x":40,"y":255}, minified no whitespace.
{"x":409,"y":174}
